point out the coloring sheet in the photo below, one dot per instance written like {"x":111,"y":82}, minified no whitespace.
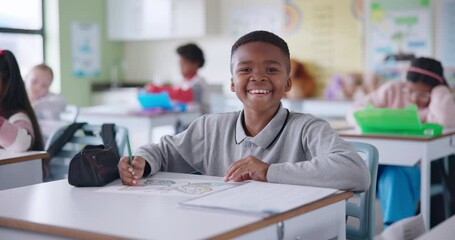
{"x":171,"y":187}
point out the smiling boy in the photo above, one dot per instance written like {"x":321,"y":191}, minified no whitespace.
{"x":264,"y":141}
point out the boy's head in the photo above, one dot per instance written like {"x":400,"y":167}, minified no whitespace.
{"x":39,"y":80}
{"x":265,"y":37}
{"x":260,"y":67}
{"x":191,"y":59}
{"x":422,"y":76}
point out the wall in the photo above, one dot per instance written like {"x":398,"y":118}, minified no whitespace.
{"x":78,"y":90}
{"x":328,"y":39}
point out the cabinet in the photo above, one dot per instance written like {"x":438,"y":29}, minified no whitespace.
{"x":157,"y":19}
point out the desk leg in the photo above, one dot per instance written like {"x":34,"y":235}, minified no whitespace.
{"x":425,"y":188}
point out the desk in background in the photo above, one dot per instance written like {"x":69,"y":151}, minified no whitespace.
{"x":58,"y":208}
{"x":140,"y":123}
{"x":408,"y":151}
{"x":19,"y":169}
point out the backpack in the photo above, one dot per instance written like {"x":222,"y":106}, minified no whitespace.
{"x":107,"y":134}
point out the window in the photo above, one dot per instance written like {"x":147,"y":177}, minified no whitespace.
{"x":22,"y":32}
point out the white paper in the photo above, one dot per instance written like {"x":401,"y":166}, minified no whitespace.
{"x":260,"y":197}
{"x":173,"y":187}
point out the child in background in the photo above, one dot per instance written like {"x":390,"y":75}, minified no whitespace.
{"x":399,"y":187}
{"x":191,"y":58}
{"x":264,"y":141}
{"x":19,"y":130}
{"x":47,"y":105}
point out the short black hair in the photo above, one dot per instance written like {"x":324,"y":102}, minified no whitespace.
{"x":266,"y":37}
{"x":192,"y":53}
{"x":433,"y":66}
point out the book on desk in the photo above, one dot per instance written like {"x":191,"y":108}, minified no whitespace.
{"x":260,"y":198}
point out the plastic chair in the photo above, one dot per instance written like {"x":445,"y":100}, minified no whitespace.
{"x":362,"y":205}
{"x":88,"y":134}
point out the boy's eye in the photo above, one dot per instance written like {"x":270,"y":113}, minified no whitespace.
{"x":245,"y":70}
{"x":271,"y":70}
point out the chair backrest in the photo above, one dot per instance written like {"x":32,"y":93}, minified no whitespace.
{"x":362,"y":205}
{"x":87,"y":134}
{"x":70,"y":113}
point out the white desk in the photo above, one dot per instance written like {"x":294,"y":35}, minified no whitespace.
{"x":60,"y":209}
{"x":407,"y":151}
{"x":444,"y":230}
{"x":140,"y":124}
{"x":19,"y":169}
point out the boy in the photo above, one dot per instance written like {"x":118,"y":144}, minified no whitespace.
{"x":191,"y":58}
{"x":264,"y":141}
{"x":46,"y":105}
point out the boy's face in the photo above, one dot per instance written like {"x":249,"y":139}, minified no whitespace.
{"x":260,"y":75}
{"x":38,"y":83}
{"x":188,"y":68}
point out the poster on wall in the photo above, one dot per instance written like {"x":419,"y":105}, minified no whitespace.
{"x":446,"y":39}
{"x":397,"y":31}
{"x":85,"y":45}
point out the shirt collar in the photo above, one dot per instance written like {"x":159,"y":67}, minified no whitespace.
{"x":264,"y":138}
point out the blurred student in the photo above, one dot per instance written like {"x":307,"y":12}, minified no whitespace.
{"x":425,"y":86}
{"x":19,"y":130}
{"x":263,"y":142}
{"x":47,"y":105}
{"x":191,"y":59}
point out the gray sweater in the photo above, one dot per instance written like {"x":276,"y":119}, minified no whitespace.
{"x":300,"y":148}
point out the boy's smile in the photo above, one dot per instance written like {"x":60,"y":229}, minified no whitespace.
{"x":260,"y":76}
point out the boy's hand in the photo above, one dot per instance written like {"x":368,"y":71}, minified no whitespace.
{"x":249,"y":168}
{"x":131,"y":174}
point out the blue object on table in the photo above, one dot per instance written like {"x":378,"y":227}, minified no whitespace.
{"x":155,"y":100}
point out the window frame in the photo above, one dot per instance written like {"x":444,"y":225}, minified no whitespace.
{"x":30,"y":31}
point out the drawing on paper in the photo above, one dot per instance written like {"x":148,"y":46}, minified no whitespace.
{"x":179,"y":187}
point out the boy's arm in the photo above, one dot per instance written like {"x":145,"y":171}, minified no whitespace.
{"x":179,"y":153}
{"x":17,"y":133}
{"x":442,"y":107}
{"x":333,"y":163}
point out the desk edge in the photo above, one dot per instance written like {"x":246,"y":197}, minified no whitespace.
{"x":24,"y":158}
{"x":336,"y":197}
{"x":53,"y":230}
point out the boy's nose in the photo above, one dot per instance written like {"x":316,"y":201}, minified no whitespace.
{"x":258,"y":76}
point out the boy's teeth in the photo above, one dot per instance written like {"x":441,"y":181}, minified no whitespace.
{"x":259,"y":91}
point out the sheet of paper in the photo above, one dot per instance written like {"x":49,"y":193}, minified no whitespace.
{"x":173,"y":187}
{"x":260,"y":198}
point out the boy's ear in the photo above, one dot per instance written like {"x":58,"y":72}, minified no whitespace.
{"x":288,"y":86}
{"x":232,"y":85}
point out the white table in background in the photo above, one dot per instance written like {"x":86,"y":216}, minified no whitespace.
{"x":60,"y":209}
{"x":19,"y":169}
{"x":140,"y":123}
{"x":408,"y":151}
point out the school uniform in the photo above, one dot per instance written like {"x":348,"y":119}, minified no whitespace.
{"x":16,"y":132}
{"x":399,"y":187}
{"x":300,"y":148}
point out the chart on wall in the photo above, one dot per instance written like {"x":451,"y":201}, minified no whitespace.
{"x":85,"y":45}
{"x":174,"y":187}
{"x":397,"y":31}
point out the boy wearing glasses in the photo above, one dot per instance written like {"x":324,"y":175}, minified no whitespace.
{"x":399,"y":187}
